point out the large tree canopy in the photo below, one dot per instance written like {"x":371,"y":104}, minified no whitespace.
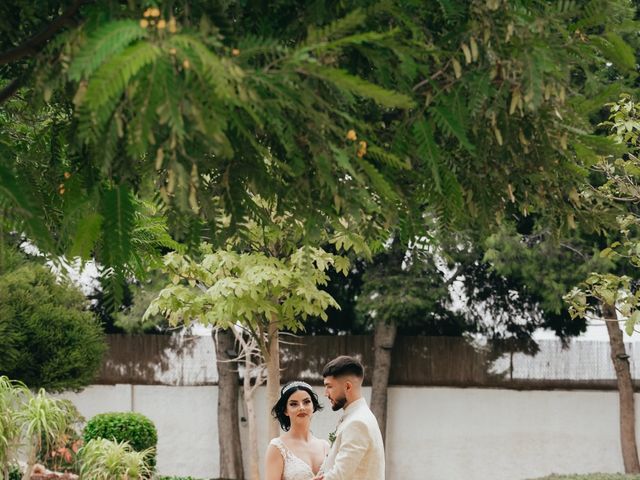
{"x":374,"y":112}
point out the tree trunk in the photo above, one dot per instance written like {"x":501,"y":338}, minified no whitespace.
{"x":273,"y":377}
{"x":620,"y":361}
{"x":254,"y":470}
{"x":229,"y":444}
{"x":384,"y":338}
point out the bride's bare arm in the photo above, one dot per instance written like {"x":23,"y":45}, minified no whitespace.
{"x":274,"y":463}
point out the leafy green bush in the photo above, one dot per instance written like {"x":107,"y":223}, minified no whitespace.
{"x":133,"y":428}
{"x":49,"y":339}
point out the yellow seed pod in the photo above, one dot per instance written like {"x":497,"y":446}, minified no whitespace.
{"x":498,"y":135}
{"x":457,"y":68}
{"x":67,"y":175}
{"x":351,"y":135}
{"x":154,"y":12}
{"x":159,"y":158}
{"x":474,"y":49}
{"x":522,"y":138}
{"x":235,"y":52}
{"x":467,"y":53}
{"x":563,"y":141}
{"x":144,"y":23}
{"x":186,"y":64}
{"x":162,"y":24}
{"x":515,"y":101}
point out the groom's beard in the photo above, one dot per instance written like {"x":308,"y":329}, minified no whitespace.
{"x":338,"y":404}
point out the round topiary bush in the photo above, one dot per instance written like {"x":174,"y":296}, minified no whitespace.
{"x":133,"y":428}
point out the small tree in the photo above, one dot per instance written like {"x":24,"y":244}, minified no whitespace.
{"x":250,"y":357}
{"x":261,"y":292}
{"x":614,"y":296}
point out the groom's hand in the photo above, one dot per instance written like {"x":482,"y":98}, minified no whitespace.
{"x":319,"y":477}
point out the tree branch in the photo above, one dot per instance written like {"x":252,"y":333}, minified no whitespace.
{"x":10,"y":89}
{"x":454,"y":276}
{"x":36,"y":43}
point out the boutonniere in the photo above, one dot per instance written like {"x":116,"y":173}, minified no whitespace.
{"x":332,"y":437}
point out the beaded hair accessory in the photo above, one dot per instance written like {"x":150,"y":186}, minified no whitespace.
{"x":294,"y":384}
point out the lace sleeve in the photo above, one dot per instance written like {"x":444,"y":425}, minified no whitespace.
{"x":276,"y":442}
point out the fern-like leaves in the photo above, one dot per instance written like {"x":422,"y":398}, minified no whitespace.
{"x":360,"y":87}
{"x":110,"y":80}
{"x":105,"y":42}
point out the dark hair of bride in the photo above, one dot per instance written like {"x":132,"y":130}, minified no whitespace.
{"x":279,"y":409}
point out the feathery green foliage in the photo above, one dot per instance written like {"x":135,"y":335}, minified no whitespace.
{"x":208,"y":107}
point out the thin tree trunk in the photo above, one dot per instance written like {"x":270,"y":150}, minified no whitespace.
{"x":384,"y":338}
{"x":273,"y":376}
{"x":230,"y":447}
{"x":254,"y":470}
{"x":620,"y":361}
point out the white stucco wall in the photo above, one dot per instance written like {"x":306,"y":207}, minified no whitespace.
{"x":433,"y":433}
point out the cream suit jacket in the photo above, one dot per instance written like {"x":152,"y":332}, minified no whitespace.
{"x":358,"y":451}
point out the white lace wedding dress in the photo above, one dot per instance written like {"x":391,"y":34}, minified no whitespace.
{"x":294,"y":467}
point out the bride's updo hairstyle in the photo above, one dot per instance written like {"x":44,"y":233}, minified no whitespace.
{"x":279,"y":409}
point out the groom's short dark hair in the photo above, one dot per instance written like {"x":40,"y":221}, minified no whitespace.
{"x":343,"y":365}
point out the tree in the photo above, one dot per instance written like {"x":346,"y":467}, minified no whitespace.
{"x":612,"y":294}
{"x":496,"y":82}
{"x":400,"y":287}
{"x":229,"y":443}
{"x":262,"y":292}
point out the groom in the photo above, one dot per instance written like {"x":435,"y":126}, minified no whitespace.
{"x":357,"y":452}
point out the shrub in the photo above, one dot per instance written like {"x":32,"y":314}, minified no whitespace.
{"x":134,"y":428}
{"x":49,"y":340}
{"x":102,"y":459}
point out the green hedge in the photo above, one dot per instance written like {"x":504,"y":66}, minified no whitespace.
{"x":134,"y":428}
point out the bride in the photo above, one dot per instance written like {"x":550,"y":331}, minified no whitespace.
{"x":296,"y":454}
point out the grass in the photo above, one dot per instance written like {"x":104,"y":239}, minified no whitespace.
{"x":593,"y":476}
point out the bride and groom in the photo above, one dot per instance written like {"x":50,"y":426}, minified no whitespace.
{"x":356,"y":452}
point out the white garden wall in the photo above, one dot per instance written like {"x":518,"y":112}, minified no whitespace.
{"x":433,"y":433}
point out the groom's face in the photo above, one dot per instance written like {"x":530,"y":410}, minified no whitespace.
{"x":335,"y":391}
